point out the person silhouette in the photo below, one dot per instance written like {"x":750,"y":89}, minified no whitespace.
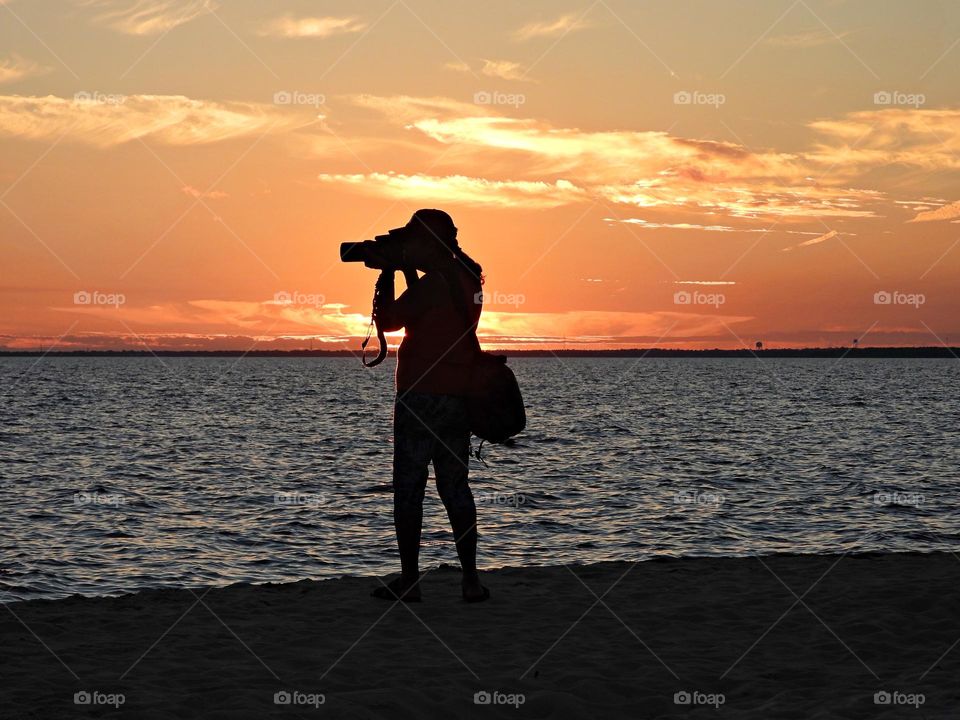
{"x":430,"y":411}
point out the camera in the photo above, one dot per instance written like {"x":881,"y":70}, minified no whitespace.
{"x":384,"y":252}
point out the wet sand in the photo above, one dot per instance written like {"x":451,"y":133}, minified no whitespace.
{"x":607,"y":640}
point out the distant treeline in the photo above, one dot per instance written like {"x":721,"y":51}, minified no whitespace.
{"x":832,"y":352}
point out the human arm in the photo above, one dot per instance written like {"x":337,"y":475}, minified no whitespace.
{"x":395,"y":313}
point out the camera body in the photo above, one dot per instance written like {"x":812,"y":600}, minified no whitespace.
{"x":384,"y":252}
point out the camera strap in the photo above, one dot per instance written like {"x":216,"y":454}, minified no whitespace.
{"x":375,"y":322}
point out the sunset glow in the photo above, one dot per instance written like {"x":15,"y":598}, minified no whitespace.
{"x":179,"y":174}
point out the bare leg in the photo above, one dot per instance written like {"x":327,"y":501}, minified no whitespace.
{"x":412,"y":447}
{"x":451,"y":464}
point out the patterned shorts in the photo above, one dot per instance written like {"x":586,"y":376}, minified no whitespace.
{"x":431,"y":428}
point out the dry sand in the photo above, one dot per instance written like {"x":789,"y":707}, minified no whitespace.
{"x":727,"y":627}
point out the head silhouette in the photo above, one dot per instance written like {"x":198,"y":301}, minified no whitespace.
{"x":433,"y":243}
{"x":436,"y":224}
{"x":432,"y":239}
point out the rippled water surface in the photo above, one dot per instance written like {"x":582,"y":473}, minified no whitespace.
{"x":123,"y":473}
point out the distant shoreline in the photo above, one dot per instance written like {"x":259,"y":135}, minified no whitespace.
{"x":830,"y":352}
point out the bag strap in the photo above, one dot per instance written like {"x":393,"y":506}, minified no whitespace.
{"x":461,"y":305}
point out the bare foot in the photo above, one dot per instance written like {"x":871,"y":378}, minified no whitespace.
{"x":472,"y":590}
{"x":405,"y":589}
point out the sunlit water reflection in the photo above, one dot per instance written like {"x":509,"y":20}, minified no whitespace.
{"x":123,"y":473}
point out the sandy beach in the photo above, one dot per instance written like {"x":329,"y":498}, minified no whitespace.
{"x":665,"y":638}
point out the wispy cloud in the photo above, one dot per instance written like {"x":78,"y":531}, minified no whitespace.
{"x":947,"y":212}
{"x":147,"y":17}
{"x":920,"y":205}
{"x":704,"y":282}
{"x":458,"y":189}
{"x":503,"y":69}
{"x":715,"y":182}
{"x":655,"y":169}
{"x":15,"y":68}
{"x":807,"y":39}
{"x":405,"y":109}
{"x":674,"y":226}
{"x":616,"y":155}
{"x":813,"y":241}
{"x":312,"y":27}
{"x":712,"y":228}
{"x":551,"y":28}
{"x":604,"y":326}
{"x":214,"y":317}
{"x":195,"y":193}
{"x":915,"y":137}
{"x":105,"y":121}
{"x":212,"y":323}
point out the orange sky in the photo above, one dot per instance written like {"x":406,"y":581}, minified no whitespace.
{"x":180,"y":173}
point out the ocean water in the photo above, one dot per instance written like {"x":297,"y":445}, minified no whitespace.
{"x":123,"y":473}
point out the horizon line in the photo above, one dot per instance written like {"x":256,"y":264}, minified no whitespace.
{"x":917,"y":351}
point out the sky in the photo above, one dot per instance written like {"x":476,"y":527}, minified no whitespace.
{"x":179,"y":174}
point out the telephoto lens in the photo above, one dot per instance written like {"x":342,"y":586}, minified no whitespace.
{"x":352,"y":251}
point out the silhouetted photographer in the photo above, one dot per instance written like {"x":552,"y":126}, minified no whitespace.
{"x":447,"y":387}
